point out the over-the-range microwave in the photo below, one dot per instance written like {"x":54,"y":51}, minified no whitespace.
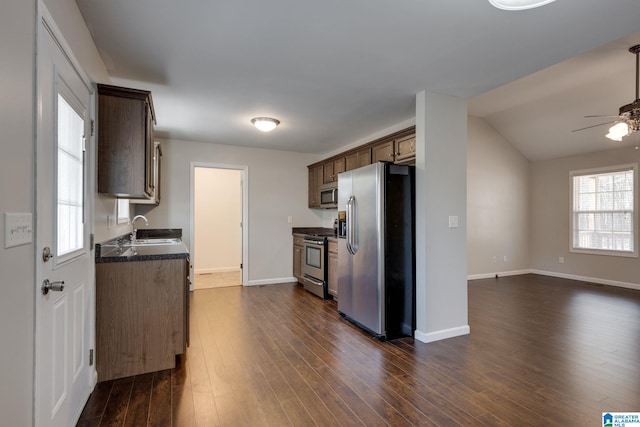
{"x":329,"y":195}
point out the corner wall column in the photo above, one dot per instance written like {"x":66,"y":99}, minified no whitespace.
{"x":441,"y":195}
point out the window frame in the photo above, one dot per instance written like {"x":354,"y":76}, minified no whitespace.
{"x":597,"y":171}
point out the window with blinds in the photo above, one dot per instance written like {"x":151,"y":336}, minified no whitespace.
{"x":603,"y":211}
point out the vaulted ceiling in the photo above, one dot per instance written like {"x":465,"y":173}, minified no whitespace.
{"x":335,"y":71}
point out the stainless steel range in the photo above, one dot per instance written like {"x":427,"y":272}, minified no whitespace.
{"x":314,"y":266}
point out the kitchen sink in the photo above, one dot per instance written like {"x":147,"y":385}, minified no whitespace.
{"x":152,"y":242}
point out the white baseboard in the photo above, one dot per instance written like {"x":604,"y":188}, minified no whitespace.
{"x":443,"y":334}
{"x":497,"y":273}
{"x":216,"y":270}
{"x":598,"y":280}
{"x":275,"y":281}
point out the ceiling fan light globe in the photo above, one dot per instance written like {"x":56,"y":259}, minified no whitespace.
{"x":618,"y":131}
{"x":613,"y":137}
{"x":518,"y":4}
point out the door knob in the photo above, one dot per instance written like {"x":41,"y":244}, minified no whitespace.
{"x":52,"y":286}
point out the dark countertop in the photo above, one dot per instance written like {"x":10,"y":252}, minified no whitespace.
{"x":114,"y":251}
{"x":328,"y":232}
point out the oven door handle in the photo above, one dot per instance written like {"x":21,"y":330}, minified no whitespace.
{"x":352,"y":236}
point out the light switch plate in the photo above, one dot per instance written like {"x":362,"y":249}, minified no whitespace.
{"x":18,"y":229}
{"x":453,"y":221}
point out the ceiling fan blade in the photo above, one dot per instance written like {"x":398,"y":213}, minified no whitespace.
{"x":594,"y":126}
{"x":599,"y":116}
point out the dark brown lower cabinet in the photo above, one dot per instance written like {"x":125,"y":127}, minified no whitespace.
{"x":141,"y":316}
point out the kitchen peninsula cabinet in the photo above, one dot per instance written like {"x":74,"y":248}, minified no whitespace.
{"x":298,"y":250}
{"x":125,"y":142}
{"x":332,"y":268}
{"x":141,"y":316}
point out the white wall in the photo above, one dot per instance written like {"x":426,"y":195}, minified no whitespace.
{"x":498,"y":204}
{"x":550,"y":225}
{"x":441,"y":251}
{"x":17,"y":118}
{"x":277,"y":186}
{"x":218,"y":214}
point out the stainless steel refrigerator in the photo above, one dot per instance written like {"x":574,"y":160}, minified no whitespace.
{"x":376,"y":249}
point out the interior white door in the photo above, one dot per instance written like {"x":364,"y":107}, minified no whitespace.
{"x":63,"y":254}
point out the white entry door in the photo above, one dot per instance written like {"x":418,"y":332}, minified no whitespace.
{"x":63,"y":253}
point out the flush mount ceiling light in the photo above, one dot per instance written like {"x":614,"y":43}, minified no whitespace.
{"x":628,"y":119}
{"x":518,"y":4}
{"x":265,"y":124}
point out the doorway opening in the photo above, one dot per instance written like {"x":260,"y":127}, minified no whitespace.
{"x":218,"y":218}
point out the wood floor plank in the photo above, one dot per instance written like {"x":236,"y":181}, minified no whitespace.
{"x":205,"y":412}
{"x":94,"y":408}
{"x":140,"y":401}
{"x":160,"y":412}
{"x":115,"y":411}
{"x":182,"y":406}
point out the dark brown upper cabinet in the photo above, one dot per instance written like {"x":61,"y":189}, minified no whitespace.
{"x":125,"y":142}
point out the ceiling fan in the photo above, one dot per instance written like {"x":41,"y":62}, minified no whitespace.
{"x":628,"y":118}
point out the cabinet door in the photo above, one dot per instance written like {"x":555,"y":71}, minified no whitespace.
{"x":351,"y":161}
{"x":328,"y":174}
{"x":315,"y":180}
{"x":332,"y":274}
{"x":187,"y":288}
{"x":383,"y":151}
{"x":338,"y":167}
{"x":157,"y":175}
{"x":140,"y":316}
{"x":125,"y":142}
{"x":149,"y":151}
{"x":405,"y":148}
{"x":297,"y":262}
{"x":364,"y":157}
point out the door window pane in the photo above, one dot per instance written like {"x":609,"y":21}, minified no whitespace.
{"x":70,"y":184}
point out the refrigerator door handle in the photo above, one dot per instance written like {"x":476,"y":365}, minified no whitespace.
{"x":352,"y":238}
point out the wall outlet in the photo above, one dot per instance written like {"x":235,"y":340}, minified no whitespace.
{"x":495,"y":259}
{"x":453,"y":221}
{"x":561,"y":260}
{"x":504,"y":258}
{"x":289,"y":219}
{"x":18,"y":229}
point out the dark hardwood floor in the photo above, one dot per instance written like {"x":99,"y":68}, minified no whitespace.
{"x":542,"y":351}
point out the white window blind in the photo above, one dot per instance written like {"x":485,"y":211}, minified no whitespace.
{"x":603,"y":216}
{"x":70,"y":185}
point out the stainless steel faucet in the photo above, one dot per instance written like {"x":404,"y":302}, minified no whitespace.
{"x":134,"y":230}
